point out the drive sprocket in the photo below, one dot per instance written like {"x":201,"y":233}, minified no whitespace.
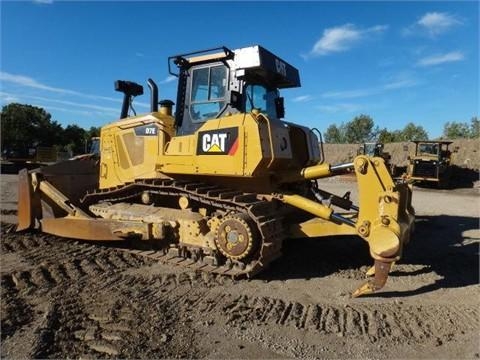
{"x":236,"y":237}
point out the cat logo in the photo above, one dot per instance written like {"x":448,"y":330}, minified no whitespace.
{"x":218,"y":142}
{"x":214,"y":142}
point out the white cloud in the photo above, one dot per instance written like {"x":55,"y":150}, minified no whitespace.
{"x":441,"y":58}
{"x":77,"y":105}
{"x":400,"y":81}
{"x":342,"y":38}
{"x":29,"y":82}
{"x":343,"y":107}
{"x":350,"y":94}
{"x":48,"y":2}
{"x":433,"y":23}
{"x":400,"y":84}
{"x":168,"y":79}
{"x":436,"y":22}
{"x":8,"y":97}
{"x":67,"y":110}
{"x":302,"y":98}
{"x":32,"y":83}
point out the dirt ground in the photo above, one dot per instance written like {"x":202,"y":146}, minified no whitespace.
{"x":69,"y":299}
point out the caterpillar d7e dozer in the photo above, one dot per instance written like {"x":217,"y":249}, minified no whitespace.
{"x":220,"y":184}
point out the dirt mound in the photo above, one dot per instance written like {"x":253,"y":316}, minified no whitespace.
{"x":466,"y":152}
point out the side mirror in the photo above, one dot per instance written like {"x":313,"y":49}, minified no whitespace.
{"x":279,"y":107}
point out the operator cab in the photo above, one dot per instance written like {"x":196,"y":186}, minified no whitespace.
{"x":213,"y":84}
{"x":371,"y":149}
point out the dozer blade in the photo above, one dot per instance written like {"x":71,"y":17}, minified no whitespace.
{"x":54,"y":191}
{"x":26,"y":202}
{"x":48,"y":199}
{"x":83,"y":228}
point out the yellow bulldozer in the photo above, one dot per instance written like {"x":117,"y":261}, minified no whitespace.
{"x":376,"y":149}
{"x":431,"y":163}
{"x":220,"y":183}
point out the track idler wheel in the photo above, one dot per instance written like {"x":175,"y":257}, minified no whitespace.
{"x":236,"y":237}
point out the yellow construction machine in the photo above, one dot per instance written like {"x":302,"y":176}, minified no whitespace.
{"x":376,"y":149}
{"x":219,"y":184}
{"x":432,"y":163}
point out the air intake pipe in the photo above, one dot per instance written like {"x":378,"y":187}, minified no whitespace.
{"x":129,"y":90}
{"x":153,"y":95}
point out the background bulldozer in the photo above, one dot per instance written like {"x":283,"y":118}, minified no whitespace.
{"x":376,"y":149}
{"x":219,"y":184}
{"x":431,"y":163}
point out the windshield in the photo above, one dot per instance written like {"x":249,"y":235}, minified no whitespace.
{"x":428,"y":149}
{"x":370,"y":149}
{"x":95,"y":146}
{"x":208,"y":92}
{"x":261,"y":98}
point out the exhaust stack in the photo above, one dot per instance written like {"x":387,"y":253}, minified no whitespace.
{"x":153,"y":95}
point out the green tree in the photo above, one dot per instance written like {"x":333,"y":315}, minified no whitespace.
{"x":412,"y":132}
{"x":26,"y":126}
{"x":93,"y":132}
{"x":334,"y":134}
{"x":456,"y":130}
{"x":74,"y":139}
{"x":360,"y":129}
{"x":474,"y":128}
{"x":385,"y":136}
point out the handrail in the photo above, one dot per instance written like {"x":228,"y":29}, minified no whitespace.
{"x":322,"y":154}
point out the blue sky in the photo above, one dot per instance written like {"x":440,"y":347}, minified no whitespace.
{"x":398,"y":62}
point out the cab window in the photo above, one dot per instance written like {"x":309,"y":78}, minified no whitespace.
{"x":209,"y":86}
{"x":259,"y":97}
{"x":428,"y":149}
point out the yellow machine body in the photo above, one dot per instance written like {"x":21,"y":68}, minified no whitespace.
{"x":233,"y":148}
{"x":222,"y":182}
{"x":431,"y":163}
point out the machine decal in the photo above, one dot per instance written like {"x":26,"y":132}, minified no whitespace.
{"x":146,"y":130}
{"x":218,"y":142}
{"x":281,"y":67}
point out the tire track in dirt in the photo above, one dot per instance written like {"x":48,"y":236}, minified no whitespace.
{"x":15,"y":312}
{"x":124,"y":315}
{"x":109,"y":303}
{"x":93,"y":313}
{"x":372,"y":322}
{"x":55,"y":262}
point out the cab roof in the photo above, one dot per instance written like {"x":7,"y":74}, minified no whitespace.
{"x":249,"y":62}
{"x":448,"y":142}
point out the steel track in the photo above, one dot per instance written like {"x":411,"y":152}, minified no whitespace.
{"x":262,"y":212}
